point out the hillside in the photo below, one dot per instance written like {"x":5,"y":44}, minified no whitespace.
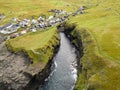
{"x":98,"y":29}
{"x":29,"y":8}
{"x":39,"y":45}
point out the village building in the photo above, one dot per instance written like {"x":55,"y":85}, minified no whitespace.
{"x":34,"y":21}
{"x":23,"y":32}
{"x":36,"y":24}
{"x":33,"y":30}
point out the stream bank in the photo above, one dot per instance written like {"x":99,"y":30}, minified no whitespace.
{"x":64,"y":68}
{"x":18,"y":72}
{"x":92,"y":64}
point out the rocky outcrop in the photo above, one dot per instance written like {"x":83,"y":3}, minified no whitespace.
{"x":17,"y":71}
{"x":96,"y":72}
{"x":39,"y":78}
{"x":12,"y":66}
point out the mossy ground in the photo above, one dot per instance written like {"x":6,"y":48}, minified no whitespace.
{"x":100,"y":32}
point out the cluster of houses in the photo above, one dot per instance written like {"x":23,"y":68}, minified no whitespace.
{"x":80,"y":10}
{"x":41,"y":23}
{"x":9,"y":28}
{"x":58,"y":12}
{"x":33,"y":25}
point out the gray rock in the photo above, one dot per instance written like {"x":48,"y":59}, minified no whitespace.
{"x":11,"y":66}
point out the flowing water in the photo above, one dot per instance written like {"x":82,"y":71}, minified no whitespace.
{"x":64,"y":73}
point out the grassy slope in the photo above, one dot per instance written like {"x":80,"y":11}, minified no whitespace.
{"x":99,"y":30}
{"x":39,"y":45}
{"x":23,"y":8}
{"x":29,"y":8}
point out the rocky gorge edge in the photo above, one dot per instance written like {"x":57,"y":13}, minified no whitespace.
{"x":18,"y":73}
{"x":95,"y":72}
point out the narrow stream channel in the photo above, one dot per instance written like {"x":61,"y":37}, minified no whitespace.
{"x":64,"y":73}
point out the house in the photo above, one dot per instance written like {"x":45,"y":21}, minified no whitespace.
{"x":23,"y":32}
{"x":50,"y":17}
{"x":15,"y":19}
{"x":82,"y":8}
{"x":34,"y":21}
{"x":33,"y":30}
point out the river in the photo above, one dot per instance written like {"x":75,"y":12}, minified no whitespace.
{"x":64,"y":73}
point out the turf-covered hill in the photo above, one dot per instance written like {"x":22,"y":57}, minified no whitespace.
{"x":99,"y":30}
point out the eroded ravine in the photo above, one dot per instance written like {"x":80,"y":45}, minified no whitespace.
{"x":64,"y":73}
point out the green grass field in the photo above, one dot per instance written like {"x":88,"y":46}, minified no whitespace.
{"x":99,"y":29}
{"x":100,"y":32}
